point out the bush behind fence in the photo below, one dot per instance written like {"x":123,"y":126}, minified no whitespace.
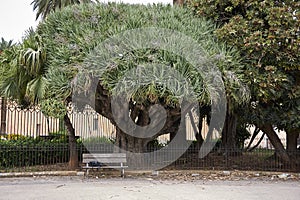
{"x":20,"y":156}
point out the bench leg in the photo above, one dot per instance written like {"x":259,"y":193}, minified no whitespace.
{"x":122,"y":172}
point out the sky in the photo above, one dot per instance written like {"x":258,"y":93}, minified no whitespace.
{"x":16,"y":16}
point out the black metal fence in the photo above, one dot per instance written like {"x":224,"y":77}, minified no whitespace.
{"x":32,"y":141}
{"x":260,"y":159}
{"x":56,"y":156}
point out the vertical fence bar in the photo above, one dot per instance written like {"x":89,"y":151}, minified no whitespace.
{"x":33,"y":123}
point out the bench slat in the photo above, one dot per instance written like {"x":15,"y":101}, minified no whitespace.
{"x":105,"y":167}
{"x":106,"y":155}
{"x":105,"y":160}
{"x":110,"y":160}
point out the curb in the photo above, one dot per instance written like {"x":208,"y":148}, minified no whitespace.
{"x":43,"y":173}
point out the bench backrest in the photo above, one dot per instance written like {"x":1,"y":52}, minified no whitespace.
{"x":105,"y":158}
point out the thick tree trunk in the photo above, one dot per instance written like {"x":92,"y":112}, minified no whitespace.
{"x":131,"y":145}
{"x":291,"y":142}
{"x":73,"y":160}
{"x":229,"y":134}
{"x":127,"y":142}
{"x":139,"y":114}
{"x":275,"y":141}
{"x":292,"y":137}
{"x":3,"y":115}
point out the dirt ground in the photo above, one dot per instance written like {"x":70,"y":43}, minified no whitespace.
{"x":176,"y":185}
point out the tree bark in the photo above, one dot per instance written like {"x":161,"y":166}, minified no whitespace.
{"x":131,"y":145}
{"x":291,"y":142}
{"x":229,"y":134}
{"x":3,"y":115}
{"x":275,"y":141}
{"x":102,"y":105}
{"x":73,"y":160}
{"x":292,"y":136}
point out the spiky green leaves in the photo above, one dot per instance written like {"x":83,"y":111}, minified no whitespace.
{"x":45,"y":7}
{"x":54,"y":108}
{"x":23,"y":67}
{"x":70,"y":35}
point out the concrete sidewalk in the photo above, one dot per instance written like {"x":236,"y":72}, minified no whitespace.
{"x":77,"y":188}
{"x":42,"y":173}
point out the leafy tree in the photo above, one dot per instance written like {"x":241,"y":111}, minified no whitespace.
{"x":45,"y":7}
{"x":23,"y":79}
{"x":4,"y":45}
{"x":267,"y":34}
{"x":70,"y":34}
{"x":22,"y":69}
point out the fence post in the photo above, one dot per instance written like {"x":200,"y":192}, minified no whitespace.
{"x":3,"y":115}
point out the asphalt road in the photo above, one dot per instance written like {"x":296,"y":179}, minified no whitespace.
{"x":76,"y":188}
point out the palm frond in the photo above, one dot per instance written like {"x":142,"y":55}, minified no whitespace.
{"x":36,"y":89}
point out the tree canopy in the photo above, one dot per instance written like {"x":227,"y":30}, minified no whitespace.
{"x":268,"y":36}
{"x":70,"y":35}
{"x":45,"y":7}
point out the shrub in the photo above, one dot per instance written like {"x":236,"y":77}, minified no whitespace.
{"x":28,"y":151}
{"x":14,"y":137}
{"x":98,"y":144}
{"x":101,"y":139}
{"x":155,"y":145}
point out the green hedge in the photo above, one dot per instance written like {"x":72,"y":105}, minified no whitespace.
{"x":28,"y":151}
{"x":21,"y":151}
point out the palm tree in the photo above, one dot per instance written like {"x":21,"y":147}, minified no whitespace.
{"x":4,"y":45}
{"x":37,"y":86}
{"x":23,"y":67}
{"x":23,"y":78}
{"x":44,"y":7}
{"x":34,"y":59}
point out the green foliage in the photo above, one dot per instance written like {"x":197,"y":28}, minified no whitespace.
{"x":70,"y":35}
{"x":23,"y":66}
{"x":242,"y":135}
{"x":25,"y":151}
{"x":98,"y":140}
{"x":98,"y":144}
{"x":14,"y":137}
{"x":32,"y":56}
{"x":59,"y":136}
{"x":44,"y":7}
{"x":155,"y":145}
{"x":54,"y":108}
{"x":21,"y":151}
{"x":5,"y":44}
{"x":267,"y":34}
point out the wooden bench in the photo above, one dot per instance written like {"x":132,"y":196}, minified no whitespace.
{"x":107,"y":160}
